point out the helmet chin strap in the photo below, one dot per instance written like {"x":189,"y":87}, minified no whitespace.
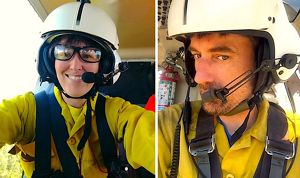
{"x":245,"y":105}
{"x":89,"y":94}
{"x":88,"y":115}
{"x":239,"y":108}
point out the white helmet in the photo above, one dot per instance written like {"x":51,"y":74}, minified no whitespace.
{"x":84,"y":20}
{"x":261,"y":18}
{"x":82,"y":17}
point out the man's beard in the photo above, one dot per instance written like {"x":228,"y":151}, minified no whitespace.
{"x":216,"y":106}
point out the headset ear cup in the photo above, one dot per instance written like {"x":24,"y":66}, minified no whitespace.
{"x":106,"y":65}
{"x":41,"y":64}
{"x":108,"y":62}
{"x":49,"y":61}
{"x":190,"y":69}
{"x":44,"y":68}
{"x":264,"y":79}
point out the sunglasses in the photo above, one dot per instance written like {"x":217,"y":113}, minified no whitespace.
{"x":87,"y":54}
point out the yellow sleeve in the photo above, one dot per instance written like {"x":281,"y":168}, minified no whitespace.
{"x":164,"y":142}
{"x":294,"y":131}
{"x":138,"y":135}
{"x":167,"y":121}
{"x":293,"y":125}
{"x":17,"y":118}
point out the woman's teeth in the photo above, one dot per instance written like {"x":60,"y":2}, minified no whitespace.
{"x":72,"y":77}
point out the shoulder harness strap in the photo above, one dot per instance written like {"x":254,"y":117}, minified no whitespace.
{"x":277,"y":151}
{"x":273,"y":161}
{"x":203,"y":148}
{"x":54,"y":123}
{"x":106,"y":138}
{"x":42,"y":136}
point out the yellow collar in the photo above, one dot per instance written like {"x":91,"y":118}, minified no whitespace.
{"x":73,"y":124}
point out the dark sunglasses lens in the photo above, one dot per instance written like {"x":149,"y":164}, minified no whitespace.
{"x":62,"y":52}
{"x":90,"y":54}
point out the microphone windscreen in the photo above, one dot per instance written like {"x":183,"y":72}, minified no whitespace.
{"x":208,"y":96}
{"x":88,"y":77}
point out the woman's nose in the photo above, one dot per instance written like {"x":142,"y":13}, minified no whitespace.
{"x":76,"y":62}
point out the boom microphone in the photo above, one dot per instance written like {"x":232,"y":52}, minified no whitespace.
{"x":215,"y":94}
{"x":90,"y":77}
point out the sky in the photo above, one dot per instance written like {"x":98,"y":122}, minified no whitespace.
{"x":20,"y":38}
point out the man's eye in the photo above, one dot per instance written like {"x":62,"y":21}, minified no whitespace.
{"x":222,"y":58}
{"x":196,"y":56}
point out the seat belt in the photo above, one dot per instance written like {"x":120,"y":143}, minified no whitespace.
{"x":277,"y":151}
{"x":42,"y":137}
{"x":203,"y":148}
{"x":54,"y":123}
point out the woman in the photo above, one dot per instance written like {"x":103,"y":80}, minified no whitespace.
{"x":78,"y":55}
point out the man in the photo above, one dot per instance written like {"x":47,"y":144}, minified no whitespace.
{"x":234,"y":51}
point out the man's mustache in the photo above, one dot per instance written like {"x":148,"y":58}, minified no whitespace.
{"x":209,"y":86}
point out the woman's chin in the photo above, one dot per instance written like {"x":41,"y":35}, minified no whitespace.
{"x":77,"y":90}
{"x":75,"y":93}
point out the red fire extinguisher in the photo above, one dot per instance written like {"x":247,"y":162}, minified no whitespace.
{"x":167,"y":84}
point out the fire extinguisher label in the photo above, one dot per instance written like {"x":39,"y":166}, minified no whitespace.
{"x":166,"y":94}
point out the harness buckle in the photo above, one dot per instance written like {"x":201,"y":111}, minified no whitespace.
{"x":280,"y":149}
{"x":199,"y":146}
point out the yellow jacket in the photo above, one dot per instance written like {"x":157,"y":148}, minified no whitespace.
{"x":239,"y":161}
{"x":17,"y":117}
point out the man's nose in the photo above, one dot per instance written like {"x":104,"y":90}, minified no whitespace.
{"x":204,"y":71}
